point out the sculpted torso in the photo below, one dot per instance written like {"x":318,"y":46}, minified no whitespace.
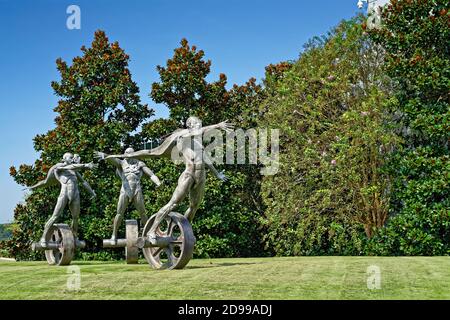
{"x":131,"y":176}
{"x":69,"y":183}
{"x":192,"y":151}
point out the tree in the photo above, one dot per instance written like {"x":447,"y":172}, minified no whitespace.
{"x":414,"y":34}
{"x":330,"y":193}
{"x":227,"y":221}
{"x":98,"y":108}
{"x":184,"y":89}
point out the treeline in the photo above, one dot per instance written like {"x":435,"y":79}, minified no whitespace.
{"x":365,"y":161}
{"x":364,"y":123}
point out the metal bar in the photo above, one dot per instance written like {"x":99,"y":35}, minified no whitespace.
{"x":80,"y":244}
{"x":37,"y":246}
{"x":119,"y":243}
{"x":162,"y":242}
{"x":51,"y":245}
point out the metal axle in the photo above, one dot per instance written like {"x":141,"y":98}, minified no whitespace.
{"x":144,"y":242}
{"x":119,"y":243}
{"x":51,"y":245}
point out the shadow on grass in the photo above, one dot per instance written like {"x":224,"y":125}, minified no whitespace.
{"x":122,"y":263}
{"x":96,"y":262}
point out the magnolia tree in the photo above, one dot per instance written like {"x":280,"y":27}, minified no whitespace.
{"x":98,"y":108}
{"x":227,"y":223}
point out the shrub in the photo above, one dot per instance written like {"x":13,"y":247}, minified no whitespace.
{"x":414,"y":34}
{"x":331,"y":193}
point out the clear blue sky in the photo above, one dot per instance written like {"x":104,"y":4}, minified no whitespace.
{"x":240,"y":37}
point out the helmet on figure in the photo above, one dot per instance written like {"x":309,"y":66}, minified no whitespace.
{"x":193,"y":123}
{"x":129,"y":150}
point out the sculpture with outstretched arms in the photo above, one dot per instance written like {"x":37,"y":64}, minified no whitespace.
{"x":66,"y":173}
{"x":192,"y":181}
{"x":130,"y":172}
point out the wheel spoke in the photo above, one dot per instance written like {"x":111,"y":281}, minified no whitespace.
{"x":178,"y":240}
{"x":157,"y":252}
{"x":168,"y":250}
{"x":171,"y":259}
{"x":57,"y":256}
{"x":160,"y":233}
{"x":170,"y":226}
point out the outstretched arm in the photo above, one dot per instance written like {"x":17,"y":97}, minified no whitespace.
{"x":103,"y":156}
{"x":86,"y":185}
{"x":152,"y":176}
{"x":142,"y":154}
{"x":77,"y":166}
{"x":49,"y":180}
{"x":219,"y":175}
{"x":37,"y":185}
{"x":224,"y":125}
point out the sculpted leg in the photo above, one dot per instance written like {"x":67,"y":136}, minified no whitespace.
{"x":140,"y":207}
{"x":60,"y":205}
{"x":184,"y":184}
{"x":195,"y":199}
{"x":74,"y":207}
{"x":121,"y":208}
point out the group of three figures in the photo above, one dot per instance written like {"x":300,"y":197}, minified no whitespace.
{"x":187,"y":143}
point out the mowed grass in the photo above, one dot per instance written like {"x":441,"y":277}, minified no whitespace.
{"x":249,"y":278}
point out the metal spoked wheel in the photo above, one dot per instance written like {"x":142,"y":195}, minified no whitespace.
{"x":63,"y":236}
{"x":179,"y":243}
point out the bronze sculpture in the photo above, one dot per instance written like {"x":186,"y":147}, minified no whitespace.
{"x":167,"y":238}
{"x":130,"y":171}
{"x":58,"y":240}
{"x":176,"y":239}
{"x":192,"y":180}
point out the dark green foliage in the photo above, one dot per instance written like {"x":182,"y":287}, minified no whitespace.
{"x":227,"y":222}
{"x":99,"y":105}
{"x":415,"y":35}
{"x":183,"y":87}
{"x":364,"y":164}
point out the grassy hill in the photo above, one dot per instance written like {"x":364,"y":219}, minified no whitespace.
{"x":251,"y":278}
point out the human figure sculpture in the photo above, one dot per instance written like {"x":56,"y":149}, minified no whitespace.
{"x":66,"y":173}
{"x":192,"y":181}
{"x":130,"y":171}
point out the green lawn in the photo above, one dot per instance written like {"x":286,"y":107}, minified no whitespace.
{"x":251,"y":278}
